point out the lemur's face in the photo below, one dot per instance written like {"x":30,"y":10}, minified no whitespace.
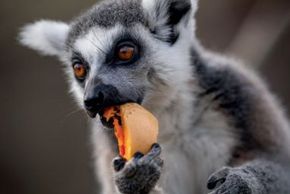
{"x":121,"y":51}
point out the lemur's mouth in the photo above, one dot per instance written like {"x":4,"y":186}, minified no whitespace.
{"x":100,"y":109}
{"x":109,"y":123}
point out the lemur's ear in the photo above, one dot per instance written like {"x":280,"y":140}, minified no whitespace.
{"x":166,"y":16}
{"x":47,"y":37}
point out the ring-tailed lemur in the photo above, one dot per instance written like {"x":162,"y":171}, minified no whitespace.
{"x":221,"y":130}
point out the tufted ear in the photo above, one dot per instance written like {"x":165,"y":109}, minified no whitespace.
{"x":47,"y":37}
{"x":164,"y":17}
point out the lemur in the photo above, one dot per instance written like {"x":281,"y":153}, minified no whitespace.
{"x":221,"y":129}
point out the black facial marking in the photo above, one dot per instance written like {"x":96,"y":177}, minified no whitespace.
{"x":99,"y":96}
{"x":123,"y":39}
{"x":77,"y":58}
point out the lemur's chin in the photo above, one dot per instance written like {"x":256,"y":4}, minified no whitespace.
{"x":108,"y":122}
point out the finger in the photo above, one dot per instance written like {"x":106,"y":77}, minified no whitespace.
{"x":137,"y":156}
{"x":118,"y":163}
{"x":218,"y":178}
{"x":153,"y":153}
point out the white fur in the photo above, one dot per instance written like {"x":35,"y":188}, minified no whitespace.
{"x":194,"y":5}
{"x":148,"y":4}
{"x":45,"y":36}
{"x":95,"y":42}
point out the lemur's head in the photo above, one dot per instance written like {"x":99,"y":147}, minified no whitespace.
{"x":121,"y":50}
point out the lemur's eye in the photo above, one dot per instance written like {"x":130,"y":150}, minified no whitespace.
{"x":126,"y":53}
{"x":80,"y":71}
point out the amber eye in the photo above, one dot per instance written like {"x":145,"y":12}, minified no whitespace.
{"x":80,"y":70}
{"x":126,"y":53}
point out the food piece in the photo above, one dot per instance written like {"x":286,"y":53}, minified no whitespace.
{"x":136,"y":129}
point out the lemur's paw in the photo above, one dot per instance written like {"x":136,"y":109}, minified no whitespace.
{"x":140,"y":174}
{"x":230,"y":181}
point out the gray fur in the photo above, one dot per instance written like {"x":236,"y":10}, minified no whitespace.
{"x":219,"y":124}
{"x":235,"y":95}
{"x":140,"y":174}
{"x":107,"y":14}
{"x":256,"y":177}
{"x":223,"y":85}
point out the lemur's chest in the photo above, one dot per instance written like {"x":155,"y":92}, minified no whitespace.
{"x":192,"y":154}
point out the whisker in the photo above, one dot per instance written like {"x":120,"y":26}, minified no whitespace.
{"x":97,"y":37}
{"x":72,"y":112}
{"x":96,"y":46}
{"x":65,"y":118}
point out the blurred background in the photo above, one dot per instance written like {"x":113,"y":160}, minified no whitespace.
{"x":44,"y":147}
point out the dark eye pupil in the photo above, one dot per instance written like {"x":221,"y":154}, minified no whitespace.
{"x":78,"y":68}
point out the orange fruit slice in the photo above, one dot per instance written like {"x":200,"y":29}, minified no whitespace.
{"x":136,"y":129}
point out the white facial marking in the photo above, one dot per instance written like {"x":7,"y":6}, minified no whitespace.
{"x":95,"y":44}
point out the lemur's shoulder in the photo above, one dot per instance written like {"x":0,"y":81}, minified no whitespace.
{"x":240,"y":94}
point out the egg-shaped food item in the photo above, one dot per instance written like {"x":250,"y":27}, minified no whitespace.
{"x":136,"y":129}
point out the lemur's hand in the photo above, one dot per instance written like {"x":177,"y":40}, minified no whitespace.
{"x":233,"y":181}
{"x":140,"y":174}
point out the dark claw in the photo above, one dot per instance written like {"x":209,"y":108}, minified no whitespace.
{"x":217,"y":179}
{"x":119,"y":163}
{"x":138,"y":155}
{"x":155,"y":146}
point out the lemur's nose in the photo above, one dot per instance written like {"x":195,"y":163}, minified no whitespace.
{"x":94,"y":101}
{"x":98,"y":97}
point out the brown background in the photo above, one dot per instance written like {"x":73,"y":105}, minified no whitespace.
{"x":44,"y":147}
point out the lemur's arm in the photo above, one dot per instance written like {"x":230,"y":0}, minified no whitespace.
{"x":261,"y":164}
{"x":260,"y":176}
